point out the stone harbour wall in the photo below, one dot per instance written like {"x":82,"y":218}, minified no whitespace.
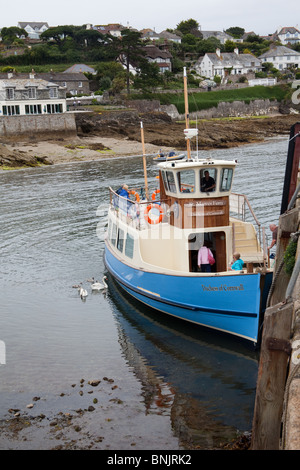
{"x":234,"y":109}
{"x":45,"y":126}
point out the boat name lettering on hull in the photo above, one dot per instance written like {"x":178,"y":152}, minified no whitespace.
{"x":223,"y":288}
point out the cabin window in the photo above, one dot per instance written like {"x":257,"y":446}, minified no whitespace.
{"x":226,"y":179}
{"x":114,"y":234}
{"x":129,"y":245}
{"x":170,"y":182}
{"x":208,"y":178}
{"x":186,"y":181}
{"x":120,"y":240}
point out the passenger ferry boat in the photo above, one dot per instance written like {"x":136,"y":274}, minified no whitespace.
{"x":151,"y":247}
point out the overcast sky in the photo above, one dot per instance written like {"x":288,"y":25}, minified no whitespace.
{"x":262,"y":17}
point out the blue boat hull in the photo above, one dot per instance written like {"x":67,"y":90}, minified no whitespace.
{"x":231,"y":304}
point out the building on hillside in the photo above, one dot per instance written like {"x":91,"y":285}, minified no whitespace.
{"x":160,"y":57}
{"x":163,"y":36}
{"x":33,"y":29}
{"x":75,"y":83}
{"x":288,"y":35}
{"x":228,"y":63}
{"x":28,"y":95}
{"x":113,"y":29}
{"x":220,"y":35}
{"x":281,"y":57}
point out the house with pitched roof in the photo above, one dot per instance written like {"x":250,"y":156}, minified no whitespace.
{"x":281,"y":57}
{"x":34,"y":29}
{"x":75,"y":83}
{"x":161,"y":57}
{"x":23,"y":94}
{"x":288,"y":35}
{"x":227,"y":63}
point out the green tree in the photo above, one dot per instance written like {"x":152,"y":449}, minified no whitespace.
{"x":148,"y":76}
{"x":189,"y":27}
{"x":235,"y":31}
{"x":130,"y":50}
{"x":9,"y":35}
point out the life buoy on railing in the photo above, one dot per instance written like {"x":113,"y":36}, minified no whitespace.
{"x":134,"y":193}
{"x":153,"y":197}
{"x":158,"y":219}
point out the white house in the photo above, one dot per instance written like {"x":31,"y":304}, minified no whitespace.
{"x":27,"y":96}
{"x":281,"y":57}
{"x":33,"y":29}
{"x":288,"y":35}
{"x":227,"y":63}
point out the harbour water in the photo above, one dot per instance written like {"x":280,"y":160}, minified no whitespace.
{"x":164,"y":385}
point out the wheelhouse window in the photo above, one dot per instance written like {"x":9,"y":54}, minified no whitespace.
{"x":226,"y":179}
{"x":169,"y":181}
{"x":186,"y":181}
{"x":208,"y":178}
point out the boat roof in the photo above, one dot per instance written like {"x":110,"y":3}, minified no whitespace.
{"x":194,"y":163}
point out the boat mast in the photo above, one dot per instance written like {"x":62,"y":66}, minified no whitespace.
{"x":144,"y":162}
{"x":187,"y":117}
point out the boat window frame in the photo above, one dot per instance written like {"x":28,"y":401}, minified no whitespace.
{"x":169,"y":186}
{"x":129,"y":242}
{"x":222,"y":179}
{"x":120,"y":240}
{"x":114,"y":231}
{"x":202,"y":173}
{"x":193,"y":186}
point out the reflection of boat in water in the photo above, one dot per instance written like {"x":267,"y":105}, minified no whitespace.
{"x":151,"y":248}
{"x":205,"y":382}
{"x":168,"y":156}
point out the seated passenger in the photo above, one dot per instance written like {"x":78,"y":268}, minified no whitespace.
{"x":207,"y":183}
{"x":237,"y":263}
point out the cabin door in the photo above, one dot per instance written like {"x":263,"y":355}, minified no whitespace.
{"x":216,"y":241}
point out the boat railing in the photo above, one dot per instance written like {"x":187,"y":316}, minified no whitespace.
{"x":128,"y":210}
{"x":238,"y":205}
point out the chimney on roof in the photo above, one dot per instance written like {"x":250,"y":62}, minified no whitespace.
{"x":218,"y":52}
{"x":32,"y":74}
{"x":236,"y":51}
{"x":10,"y":74}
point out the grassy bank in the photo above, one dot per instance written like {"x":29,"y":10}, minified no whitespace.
{"x":210,"y":99}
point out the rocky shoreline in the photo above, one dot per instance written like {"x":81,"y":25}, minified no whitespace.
{"x":115,"y":134}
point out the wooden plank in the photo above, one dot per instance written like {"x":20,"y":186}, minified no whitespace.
{"x":272,"y":374}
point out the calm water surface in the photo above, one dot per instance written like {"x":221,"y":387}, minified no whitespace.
{"x":174,"y":384}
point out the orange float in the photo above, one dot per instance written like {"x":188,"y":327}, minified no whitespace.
{"x":158,"y":219}
{"x":134,"y":193}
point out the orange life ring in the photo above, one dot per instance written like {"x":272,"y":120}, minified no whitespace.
{"x":148,"y":209}
{"x":153,"y":197}
{"x":137,"y":196}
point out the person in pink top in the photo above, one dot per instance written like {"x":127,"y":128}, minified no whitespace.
{"x":203,"y":261}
